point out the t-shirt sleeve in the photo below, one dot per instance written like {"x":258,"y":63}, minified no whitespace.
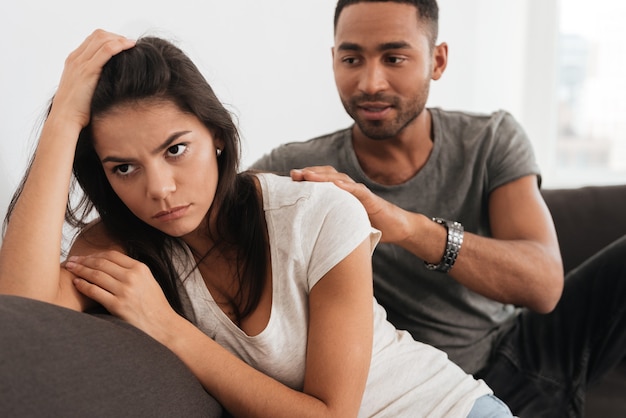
{"x":338,"y":225}
{"x":275,"y":161}
{"x":512,"y":156}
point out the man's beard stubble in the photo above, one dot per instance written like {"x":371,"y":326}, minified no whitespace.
{"x":384,"y":129}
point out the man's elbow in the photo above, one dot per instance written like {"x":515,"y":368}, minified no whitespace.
{"x":548,"y":299}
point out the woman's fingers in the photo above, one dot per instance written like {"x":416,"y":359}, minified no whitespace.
{"x":98,"y":48}
{"x":110,"y":278}
{"x":110,"y":270}
{"x":94,"y":292}
{"x":87,"y":47}
{"x":124,"y":286}
{"x":98,"y":271}
{"x":102,"y":45}
{"x":81,"y":72}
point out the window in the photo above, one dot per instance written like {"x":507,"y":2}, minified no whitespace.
{"x":591,"y":83}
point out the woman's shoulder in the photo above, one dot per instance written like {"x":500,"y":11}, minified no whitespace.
{"x":282,"y":191}
{"x":311,"y":208}
{"x":94,"y":238}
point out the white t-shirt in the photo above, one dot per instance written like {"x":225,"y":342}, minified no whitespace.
{"x":311,"y":228}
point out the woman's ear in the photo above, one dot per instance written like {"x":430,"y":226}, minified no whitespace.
{"x":219,"y":146}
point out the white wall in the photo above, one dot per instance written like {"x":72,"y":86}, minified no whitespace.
{"x":270,"y":62}
{"x":502,"y":55}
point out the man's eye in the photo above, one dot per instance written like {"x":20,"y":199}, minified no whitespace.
{"x":176,"y":150}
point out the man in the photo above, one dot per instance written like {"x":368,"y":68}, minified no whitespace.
{"x":470,"y":261}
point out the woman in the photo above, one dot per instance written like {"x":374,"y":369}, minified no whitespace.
{"x":227,"y":270}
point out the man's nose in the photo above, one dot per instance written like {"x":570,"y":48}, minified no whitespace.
{"x":373,"y":79}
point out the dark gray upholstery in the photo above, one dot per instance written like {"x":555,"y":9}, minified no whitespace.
{"x":55,"y":362}
{"x":586,"y":220}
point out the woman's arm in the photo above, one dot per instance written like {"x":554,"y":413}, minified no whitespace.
{"x":31,"y":249}
{"x":339,"y":342}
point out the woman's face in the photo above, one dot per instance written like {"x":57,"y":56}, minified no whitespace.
{"x":160,"y":161}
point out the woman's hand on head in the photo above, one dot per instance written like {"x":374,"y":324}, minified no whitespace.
{"x":82,"y":70}
{"x":125,"y":287}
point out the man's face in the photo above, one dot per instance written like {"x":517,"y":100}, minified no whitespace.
{"x":383,"y":65}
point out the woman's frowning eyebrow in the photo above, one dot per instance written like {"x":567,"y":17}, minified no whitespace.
{"x":166,"y":144}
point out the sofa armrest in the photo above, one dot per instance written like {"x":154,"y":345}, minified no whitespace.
{"x":586,"y":219}
{"x":58,"y":362}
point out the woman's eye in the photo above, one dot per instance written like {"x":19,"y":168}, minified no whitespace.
{"x":124,"y":169}
{"x":176,"y":150}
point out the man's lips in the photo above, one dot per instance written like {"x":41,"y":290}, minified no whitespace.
{"x":170,"y":214}
{"x":374,"y":110}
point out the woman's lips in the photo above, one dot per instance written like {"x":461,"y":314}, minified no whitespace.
{"x":172,"y":214}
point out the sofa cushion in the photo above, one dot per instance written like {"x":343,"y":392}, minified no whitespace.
{"x":58,"y":362}
{"x":586,"y":219}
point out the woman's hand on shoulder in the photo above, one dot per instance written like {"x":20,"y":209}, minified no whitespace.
{"x":125,"y":287}
{"x":81,"y":73}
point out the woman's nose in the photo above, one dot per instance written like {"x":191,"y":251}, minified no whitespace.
{"x":160,"y":183}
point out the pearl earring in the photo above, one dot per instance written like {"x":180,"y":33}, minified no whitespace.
{"x":218,"y":152}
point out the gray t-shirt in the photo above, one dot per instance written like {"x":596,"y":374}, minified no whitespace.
{"x":472,"y":155}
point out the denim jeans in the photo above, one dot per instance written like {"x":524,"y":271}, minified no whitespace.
{"x":543,"y":366}
{"x":489,"y":406}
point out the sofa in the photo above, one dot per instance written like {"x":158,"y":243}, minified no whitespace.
{"x":586,"y":220}
{"x":59,"y":363}
{"x":55,"y":362}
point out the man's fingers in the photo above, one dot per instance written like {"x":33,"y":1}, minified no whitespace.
{"x":319,"y":174}
{"x":369,"y":200}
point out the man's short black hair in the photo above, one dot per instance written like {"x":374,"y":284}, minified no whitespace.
{"x":428,"y":12}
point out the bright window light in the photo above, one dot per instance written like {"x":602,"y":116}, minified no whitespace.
{"x":591,"y":135}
